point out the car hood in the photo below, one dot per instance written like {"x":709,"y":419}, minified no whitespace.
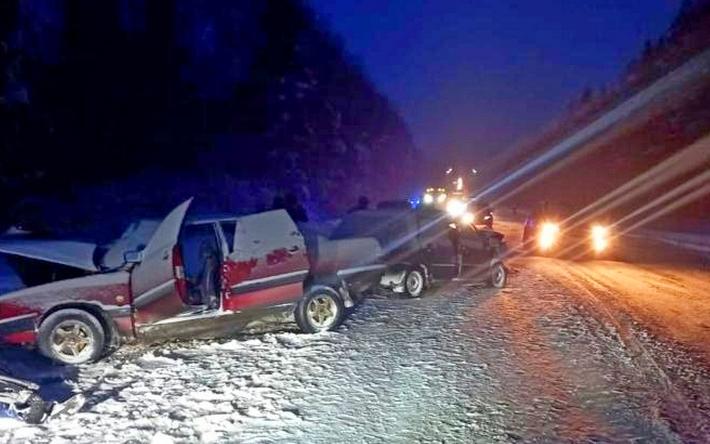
{"x":71,"y":253}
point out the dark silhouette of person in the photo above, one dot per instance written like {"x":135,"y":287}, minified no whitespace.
{"x":295,"y":209}
{"x":541,"y":212}
{"x":208,"y":279}
{"x":363,"y":203}
{"x":278,"y":203}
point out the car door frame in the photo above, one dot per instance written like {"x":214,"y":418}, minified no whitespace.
{"x":442,"y":265}
{"x":475,"y":261}
{"x":154,"y":281}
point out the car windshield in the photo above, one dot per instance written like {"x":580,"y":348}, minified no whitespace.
{"x":387,"y":226}
{"x":134,"y":238}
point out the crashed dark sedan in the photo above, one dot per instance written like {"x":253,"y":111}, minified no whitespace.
{"x":196,"y":277}
{"x":424,"y":245}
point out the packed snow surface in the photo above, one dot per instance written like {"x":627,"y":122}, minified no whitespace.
{"x":463,"y":364}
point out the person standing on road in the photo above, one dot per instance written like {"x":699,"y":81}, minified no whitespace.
{"x":363,"y":203}
{"x":295,"y":209}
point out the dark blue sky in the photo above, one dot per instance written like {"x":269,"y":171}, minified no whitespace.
{"x":480,"y":74}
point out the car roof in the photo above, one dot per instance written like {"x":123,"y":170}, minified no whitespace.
{"x":198,"y":219}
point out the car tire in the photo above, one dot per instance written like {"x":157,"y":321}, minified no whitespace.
{"x":71,"y":336}
{"x":321,"y":309}
{"x":499,"y":275}
{"x":414,"y":283}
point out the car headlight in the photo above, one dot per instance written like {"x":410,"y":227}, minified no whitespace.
{"x":600,"y":238}
{"x":428,"y":199}
{"x":455,"y":207}
{"x":547,"y":237}
{"x":441,"y":198}
{"x":467,"y":218}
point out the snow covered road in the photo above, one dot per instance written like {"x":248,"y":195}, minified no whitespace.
{"x":463,"y":364}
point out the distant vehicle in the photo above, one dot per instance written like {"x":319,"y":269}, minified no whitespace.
{"x":456,"y":199}
{"x":202,"y":277}
{"x":435,"y":197}
{"x":545,"y":233}
{"x":424,"y":245}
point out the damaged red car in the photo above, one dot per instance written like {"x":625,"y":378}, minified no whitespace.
{"x":180,"y":278}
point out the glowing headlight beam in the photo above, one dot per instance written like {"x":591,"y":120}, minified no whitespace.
{"x":600,"y":238}
{"x":691,"y":71}
{"x":459,"y":184}
{"x":680,"y":202}
{"x":547,"y":237}
{"x":672,"y":196}
{"x":455,"y":208}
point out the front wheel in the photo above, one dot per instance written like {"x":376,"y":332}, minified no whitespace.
{"x":414,"y":283}
{"x":499,"y":275}
{"x":71,"y":336}
{"x":321,"y":309}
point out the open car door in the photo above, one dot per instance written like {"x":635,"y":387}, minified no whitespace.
{"x":475,"y":252}
{"x":439,"y":241}
{"x":158,"y":281}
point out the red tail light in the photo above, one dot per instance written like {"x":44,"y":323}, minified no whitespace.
{"x":179,"y":272}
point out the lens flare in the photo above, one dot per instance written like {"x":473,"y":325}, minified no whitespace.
{"x":459,"y":184}
{"x":600,"y":238}
{"x":547,"y":238}
{"x":455,"y":207}
{"x":428,"y":199}
{"x":467,"y":218}
{"x":441,"y":198}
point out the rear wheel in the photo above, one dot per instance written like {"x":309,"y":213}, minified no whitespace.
{"x":414,"y":283}
{"x":499,"y":275}
{"x":71,"y":336}
{"x":321,"y":309}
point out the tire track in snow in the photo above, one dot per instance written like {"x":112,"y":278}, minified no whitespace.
{"x":598,"y":293}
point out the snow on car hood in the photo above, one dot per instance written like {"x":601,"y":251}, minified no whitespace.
{"x":71,"y":253}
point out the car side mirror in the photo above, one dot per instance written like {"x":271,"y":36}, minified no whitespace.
{"x":133,"y":257}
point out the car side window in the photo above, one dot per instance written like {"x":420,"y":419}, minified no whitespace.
{"x":228,"y":228}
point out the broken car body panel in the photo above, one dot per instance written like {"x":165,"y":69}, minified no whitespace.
{"x":424,"y":238}
{"x":259,"y":264}
{"x":21,"y":311}
{"x":70,"y":253}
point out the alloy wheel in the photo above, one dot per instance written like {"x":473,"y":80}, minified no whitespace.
{"x":322,"y":311}
{"x":72,"y":340}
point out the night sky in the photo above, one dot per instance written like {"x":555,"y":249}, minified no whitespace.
{"x":472,"y":76}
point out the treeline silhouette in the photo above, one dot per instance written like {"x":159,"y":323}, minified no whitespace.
{"x":129,"y":106}
{"x":641,"y":143}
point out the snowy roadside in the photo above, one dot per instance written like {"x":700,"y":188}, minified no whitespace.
{"x":698,"y":242}
{"x":460,"y":365}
